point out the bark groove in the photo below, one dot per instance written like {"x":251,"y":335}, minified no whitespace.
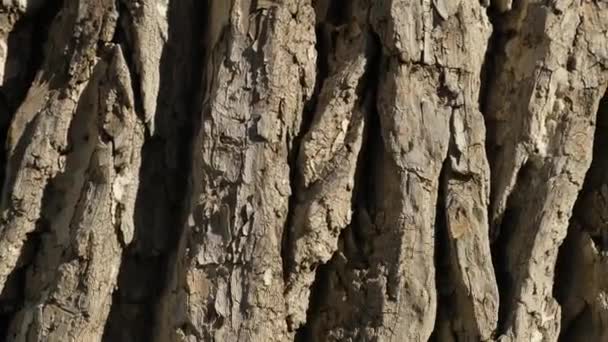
{"x":303,"y":170}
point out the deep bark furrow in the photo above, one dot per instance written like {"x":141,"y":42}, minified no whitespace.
{"x":581,"y":271}
{"x":37,"y":140}
{"x":159,"y":214}
{"x":323,"y":47}
{"x":76,"y":269}
{"x":327,"y":161}
{"x":470,"y":290}
{"x":309,"y":170}
{"x":416,"y":133}
{"x":334,"y":301}
{"x":546,"y":126}
{"x":22,"y":43}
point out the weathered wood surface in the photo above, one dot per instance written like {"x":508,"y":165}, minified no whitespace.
{"x":303,"y":170}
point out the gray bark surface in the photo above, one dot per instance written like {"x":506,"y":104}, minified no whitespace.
{"x":303,"y":170}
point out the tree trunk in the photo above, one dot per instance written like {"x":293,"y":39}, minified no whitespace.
{"x":304,"y":170}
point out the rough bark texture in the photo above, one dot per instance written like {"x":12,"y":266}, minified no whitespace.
{"x":304,"y":170}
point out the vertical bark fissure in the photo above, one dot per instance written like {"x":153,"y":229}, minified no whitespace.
{"x":323,"y":53}
{"x":446,"y":309}
{"x":488,"y":68}
{"x":491,"y":67}
{"x":164,"y":175}
{"x":582,"y":265}
{"x":493,"y":64}
{"x":339,"y":291}
{"x":468,"y":297}
{"x":352,"y":239}
{"x":500,"y":227}
{"x":500,"y":250}
{"x":22,"y":59}
{"x":123,"y":38}
{"x":504,"y":30}
{"x":538,"y":113}
{"x":12,"y":298}
{"x":330,"y":153}
{"x":303,"y":169}
{"x":23,"y":56}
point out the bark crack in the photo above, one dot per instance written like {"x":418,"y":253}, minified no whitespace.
{"x":316,"y":170}
{"x":582,"y":263}
{"x":162,"y":196}
{"x":324,"y":49}
{"x":354,"y":241}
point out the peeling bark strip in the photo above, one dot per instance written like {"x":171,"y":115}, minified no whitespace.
{"x":303,"y":170}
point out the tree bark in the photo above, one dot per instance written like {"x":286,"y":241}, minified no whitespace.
{"x":303,"y":170}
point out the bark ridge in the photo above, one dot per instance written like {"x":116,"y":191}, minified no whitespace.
{"x":303,"y":170}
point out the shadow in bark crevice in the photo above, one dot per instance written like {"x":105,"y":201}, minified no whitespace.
{"x":354,"y":242}
{"x":489,"y":68}
{"x":444,"y":280}
{"x":508,"y":286}
{"x":164,"y":173}
{"x":13,"y":294}
{"x":501,"y":227}
{"x":48,"y":245}
{"x":581,"y":271}
{"x":324,"y":48}
{"x":492,"y":69}
{"x":24,"y":57}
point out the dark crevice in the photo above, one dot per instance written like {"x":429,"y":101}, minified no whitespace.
{"x":13,"y":294}
{"x":503,"y":278}
{"x":365,"y":187}
{"x":500,"y":234}
{"x":164,"y":173}
{"x":443,"y":276}
{"x":353,"y":243}
{"x":324,"y":48}
{"x":591,"y":207}
{"x":503,"y":247}
{"x":489,"y":67}
{"x":491,"y":71}
{"x":455,"y":312}
{"x":123,"y":36}
{"x":24,"y":57}
{"x":317,"y":296}
{"x":589,"y":218}
{"x":567,"y":265}
{"x":582,"y":327}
